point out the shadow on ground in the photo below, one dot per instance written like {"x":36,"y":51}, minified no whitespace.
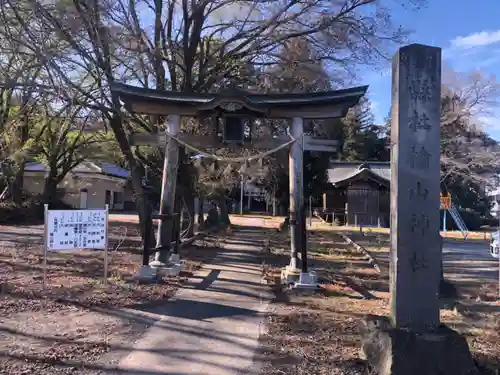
{"x":57,"y":361}
{"x":333,"y":312}
{"x":51,"y":358}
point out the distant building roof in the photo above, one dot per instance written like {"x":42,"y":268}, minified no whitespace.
{"x":86,"y":167}
{"x":114,"y":170}
{"x":340,"y":172}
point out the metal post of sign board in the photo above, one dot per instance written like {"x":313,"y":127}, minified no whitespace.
{"x":45,"y":245}
{"x":106,"y":245}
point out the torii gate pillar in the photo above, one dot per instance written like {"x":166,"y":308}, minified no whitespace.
{"x":297,"y":211}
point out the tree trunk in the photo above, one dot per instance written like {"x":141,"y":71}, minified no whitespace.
{"x":145,"y":215}
{"x":224,"y":214}
{"x":18,"y":184}
{"x":116,"y":124}
{"x":50,"y":188}
{"x":201,"y":213}
{"x":140,"y":203}
{"x":23,"y":134}
{"x":189,"y":198}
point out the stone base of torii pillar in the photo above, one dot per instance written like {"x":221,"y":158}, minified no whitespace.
{"x":290,"y":275}
{"x":154,"y":274}
{"x":295,"y":279}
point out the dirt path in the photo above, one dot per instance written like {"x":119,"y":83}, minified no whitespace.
{"x":213,"y":324}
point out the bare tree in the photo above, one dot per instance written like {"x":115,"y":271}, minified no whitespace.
{"x":467,"y":153}
{"x":72,"y":40}
{"x":202,"y":46}
{"x":20,"y":73}
{"x":61,"y":143}
{"x":87,"y":45}
{"x":203,"y":43}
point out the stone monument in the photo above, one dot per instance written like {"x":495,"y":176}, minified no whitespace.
{"x":415,"y":188}
{"x":413,"y":341}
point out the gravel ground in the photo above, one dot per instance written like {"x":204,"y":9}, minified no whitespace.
{"x":319,"y":334}
{"x":467,"y":264}
{"x":77,"y":324}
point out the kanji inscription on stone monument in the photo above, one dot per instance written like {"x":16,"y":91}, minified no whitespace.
{"x":420,"y":89}
{"x":419,"y":157}
{"x":418,"y":262}
{"x":415,"y":187}
{"x":419,"y":121}
{"x":419,"y":192}
{"x":419,"y":223}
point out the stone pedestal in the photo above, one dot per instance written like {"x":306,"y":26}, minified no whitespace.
{"x":397,"y":351}
{"x":307,"y":282}
{"x":175,"y":258}
{"x":147,"y":274}
{"x":308,"y":278}
{"x":169,"y":270}
{"x":290,"y":275}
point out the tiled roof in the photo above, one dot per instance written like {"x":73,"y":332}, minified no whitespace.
{"x":342,"y":171}
{"x":114,"y":170}
{"x":36,"y":167}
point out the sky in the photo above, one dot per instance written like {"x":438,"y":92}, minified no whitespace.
{"x":469,"y":34}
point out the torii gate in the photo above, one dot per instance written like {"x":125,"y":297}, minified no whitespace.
{"x":228,"y":111}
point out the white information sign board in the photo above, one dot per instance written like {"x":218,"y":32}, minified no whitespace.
{"x":76,"y":229}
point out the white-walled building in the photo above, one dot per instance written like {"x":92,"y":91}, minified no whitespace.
{"x":495,"y":197}
{"x":88,"y":185}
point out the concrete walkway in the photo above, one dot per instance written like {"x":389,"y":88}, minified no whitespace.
{"x":212,"y":326}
